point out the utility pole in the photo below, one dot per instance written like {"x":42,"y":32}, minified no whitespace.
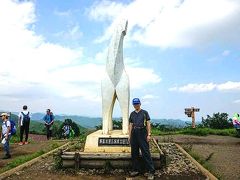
{"x":190,"y":112}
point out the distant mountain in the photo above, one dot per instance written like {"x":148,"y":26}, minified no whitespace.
{"x":171,"y":122}
{"x":91,"y":122}
{"x":87,"y":122}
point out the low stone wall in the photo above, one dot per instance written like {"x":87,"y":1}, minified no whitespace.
{"x":177,"y":162}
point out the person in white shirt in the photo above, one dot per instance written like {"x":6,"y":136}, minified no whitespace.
{"x":6,"y":134}
{"x":23,"y":123}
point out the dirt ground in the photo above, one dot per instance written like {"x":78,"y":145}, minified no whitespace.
{"x":44,"y":170}
{"x":37,"y":142}
{"x":224,"y":149}
{"x":224,"y":159}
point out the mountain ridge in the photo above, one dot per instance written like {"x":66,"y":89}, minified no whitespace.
{"x":91,"y":122}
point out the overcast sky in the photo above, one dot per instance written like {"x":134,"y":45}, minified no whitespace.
{"x":178,"y":53}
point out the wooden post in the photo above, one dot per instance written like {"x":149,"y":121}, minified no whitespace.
{"x":190,"y":112}
{"x":193,"y":118}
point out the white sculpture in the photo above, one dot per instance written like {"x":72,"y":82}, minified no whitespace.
{"x":115,"y":84}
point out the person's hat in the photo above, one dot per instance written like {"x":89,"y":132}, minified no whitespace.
{"x":136,"y":101}
{"x":4,"y":114}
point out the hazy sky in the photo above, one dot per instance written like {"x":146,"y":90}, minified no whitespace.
{"x":178,"y":53}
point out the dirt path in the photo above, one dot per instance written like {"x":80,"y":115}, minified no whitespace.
{"x":37,"y":143}
{"x":224,"y":149}
{"x":37,"y":138}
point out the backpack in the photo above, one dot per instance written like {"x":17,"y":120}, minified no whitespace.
{"x":13,"y":129}
{"x":26,"y":117}
{"x":72,"y":133}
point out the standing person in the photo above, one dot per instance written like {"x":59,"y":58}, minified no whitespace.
{"x":6,"y":134}
{"x":24,"y":122}
{"x":140,"y":135}
{"x":49,"y":119}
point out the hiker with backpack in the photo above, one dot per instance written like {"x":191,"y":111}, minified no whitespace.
{"x":6,"y":135}
{"x":23,"y":123}
{"x":49,"y":120}
{"x":66,"y":130}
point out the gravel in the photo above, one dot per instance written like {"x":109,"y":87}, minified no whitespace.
{"x":178,"y":166}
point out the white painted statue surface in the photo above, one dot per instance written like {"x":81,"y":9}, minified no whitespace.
{"x":115,"y":84}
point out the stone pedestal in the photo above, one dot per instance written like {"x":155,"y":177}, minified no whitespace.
{"x":115,"y":142}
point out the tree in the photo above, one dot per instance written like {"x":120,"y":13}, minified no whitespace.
{"x":116,"y":125}
{"x":217,"y":121}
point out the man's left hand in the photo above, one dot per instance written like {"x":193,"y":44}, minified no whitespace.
{"x":148,"y":138}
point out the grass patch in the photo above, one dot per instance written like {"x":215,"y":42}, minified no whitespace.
{"x":20,"y":160}
{"x":204,"y":162}
{"x":25,"y":158}
{"x":198,"y":132}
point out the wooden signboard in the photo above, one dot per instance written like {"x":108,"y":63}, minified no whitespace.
{"x":190,"y":112}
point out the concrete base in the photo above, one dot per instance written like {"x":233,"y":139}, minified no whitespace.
{"x":92,"y":146}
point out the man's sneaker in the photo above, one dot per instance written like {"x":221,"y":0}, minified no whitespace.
{"x":150,"y":176}
{"x":7,"y":156}
{"x":26,"y":142}
{"x":21,"y":143}
{"x":134,"y":173}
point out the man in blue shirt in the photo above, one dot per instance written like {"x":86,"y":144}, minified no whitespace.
{"x":140,"y":135}
{"x":49,"y":119}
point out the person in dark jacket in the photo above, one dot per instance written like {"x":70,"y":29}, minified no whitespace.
{"x":140,"y":135}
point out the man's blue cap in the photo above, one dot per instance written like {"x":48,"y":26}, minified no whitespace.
{"x":136,"y":101}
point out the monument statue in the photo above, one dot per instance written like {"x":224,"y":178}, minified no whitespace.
{"x":115,"y":84}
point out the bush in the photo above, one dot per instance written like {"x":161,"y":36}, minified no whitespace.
{"x":217,"y":121}
{"x":74,"y":126}
{"x":197,"y":131}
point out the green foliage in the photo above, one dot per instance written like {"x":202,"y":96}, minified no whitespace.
{"x":58,"y":163}
{"x":198,"y":132}
{"x":74,"y":126}
{"x":20,"y":160}
{"x":217,"y":121}
{"x":117,"y":124}
{"x":37,"y":127}
{"x":54,"y":145}
{"x":163,"y":127}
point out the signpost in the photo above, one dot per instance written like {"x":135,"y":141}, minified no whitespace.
{"x":190,"y":112}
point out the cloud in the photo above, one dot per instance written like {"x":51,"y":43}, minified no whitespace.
{"x":194,"y":88}
{"x":73,"y":33}
{"x":42,"y":73}
{"x":174,"y":23}
{"x":229,"y":86}
{"x":85,"y":80}
{"x":149,"y":96}
{"x":237,"y":101}
{"x":226,"y":53}
{"x":27,"y":58}
{"x":99,"y":12}
{"x":198,"y":88}
{"x":63,"y":13}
